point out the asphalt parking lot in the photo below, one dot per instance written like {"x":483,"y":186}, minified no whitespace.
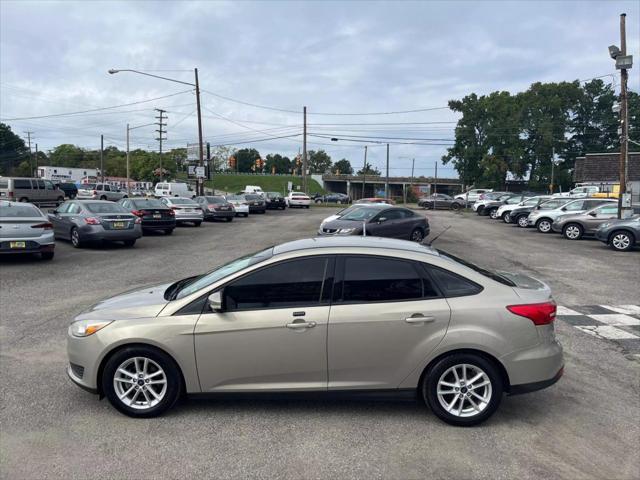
{"x":586,"y":426}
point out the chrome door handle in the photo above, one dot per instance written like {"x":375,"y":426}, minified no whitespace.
{"x":301,"y":325}
{"x":419,"y":318}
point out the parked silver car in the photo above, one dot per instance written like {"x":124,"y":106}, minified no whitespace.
{"x":85,"y":221}
{"x":324,"y":315}
{"x":543,"y":219}
{"x":186,"y":210}
{"x":25,"y":229}
{"x":35,"y":190}
{"x":99,"y":191}
{"x":577,"y":225}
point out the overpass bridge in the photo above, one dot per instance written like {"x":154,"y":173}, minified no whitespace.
{"x":352,"y":185}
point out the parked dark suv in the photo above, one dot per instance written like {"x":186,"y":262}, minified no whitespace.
{"x":70,"y":189}
{"x":275,"y":201}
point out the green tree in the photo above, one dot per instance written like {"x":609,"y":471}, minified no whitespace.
{"x":369,"y":170}
{"x":318,"y":161}
{"x":12,"y":150}
{"x":67,"y":155}
{"x":278,"y":163}
{"x":246,"y":159}
{"x":23,"y":169}
{"x":343,"y":166}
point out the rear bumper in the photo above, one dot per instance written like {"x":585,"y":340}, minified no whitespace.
{"x":257,"y":208}
{"x":154,"y":224}
{"x":43,"y":243}
{"x":219,"y":214}
{"x":536,"y":366}
{"x":535,"y":386}
{"x":276,"y":205}
{"x":39,"y":248}
{"x":94,"y":233}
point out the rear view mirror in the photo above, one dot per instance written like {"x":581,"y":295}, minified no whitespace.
{"x":593,"y":214}
{"x":215,"y":301}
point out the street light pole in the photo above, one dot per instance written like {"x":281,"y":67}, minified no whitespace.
{"x":624,"y":117}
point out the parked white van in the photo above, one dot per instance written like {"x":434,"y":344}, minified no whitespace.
{"x":253,"y":189}
{"x":174,"y":189}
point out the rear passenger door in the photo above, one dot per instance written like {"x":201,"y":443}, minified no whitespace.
{"x":386,"y":316}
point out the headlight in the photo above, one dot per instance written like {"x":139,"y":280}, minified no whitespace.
{"x":84,"y":328}
{"x":345,"y":231}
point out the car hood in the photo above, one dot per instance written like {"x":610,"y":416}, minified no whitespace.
{"x":138,"y":303}
{"x":342,"y":224}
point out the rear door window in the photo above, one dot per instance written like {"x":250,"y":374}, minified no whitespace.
{"x":22,"y":184}
{"x":575,"y":206}
{"x":453,"y":285}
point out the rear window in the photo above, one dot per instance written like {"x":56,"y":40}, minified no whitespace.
{"x":88,"y":186}
{"x":482,"y":271}
{"x":150,"y":203}
{"x":104,"y":208}
{"x":183,"y":201}
{"x":215,"y":199}
{"x":20,"y":183}
{"x":15,"y":211}
{"x":252,"y":196}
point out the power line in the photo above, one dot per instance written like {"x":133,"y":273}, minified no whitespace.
{"x":95,"y":109}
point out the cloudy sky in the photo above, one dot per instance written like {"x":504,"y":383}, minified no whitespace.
{"x":337,"y":58}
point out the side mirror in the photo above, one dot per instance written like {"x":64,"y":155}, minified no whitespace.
{"x":382,"y":219}
{"x":215,"y":301}
{"x":593,"y":214}
{"x":564,"y":209}
{"x":55,"y":212}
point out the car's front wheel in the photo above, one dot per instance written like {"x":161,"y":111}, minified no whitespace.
{"x":544,"y":225}
{"x":621,"y":241}
{"x":523,"y":221}
{"x":463,"y":389}
{"x":493,"y":213}
{"x":141,"y":381}
{"x":573,"y":231}
{"x":417,"y":235}
{"x":506,"y":218}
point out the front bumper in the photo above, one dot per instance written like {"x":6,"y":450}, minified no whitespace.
{"x":257,"y":208}
{"x":276,"y":205}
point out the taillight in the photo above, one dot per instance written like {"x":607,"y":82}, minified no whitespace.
{"x":212,"y":208}
{"x":46,"y":226}
{"x":92,"y":221}
{"x":172,"y":213}
{"x":138,"y":213}
{"x":137,"y":220}
{"x":10,"y":194}
{"x":538,"y":313}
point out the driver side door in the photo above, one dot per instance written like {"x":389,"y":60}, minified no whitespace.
{"x":271,"y":334}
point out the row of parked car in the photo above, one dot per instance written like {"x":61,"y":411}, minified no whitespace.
{"x":573,"y":218}
{"x":92,"y":216}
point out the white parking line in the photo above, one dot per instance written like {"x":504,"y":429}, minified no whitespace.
{"x":607,"y":331}
{"x":625,"y":309}
{"x":616,"y":319}
{"x":566,"y":311}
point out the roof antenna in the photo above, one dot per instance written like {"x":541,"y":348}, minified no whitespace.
{"x":438,"y":236}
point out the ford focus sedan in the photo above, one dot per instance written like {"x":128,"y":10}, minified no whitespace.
{"x":324,"y":315}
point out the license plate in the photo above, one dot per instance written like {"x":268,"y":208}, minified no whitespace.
{"x":17,"y":244}
{"x":157,"y":215}
{"x":119,"y":224}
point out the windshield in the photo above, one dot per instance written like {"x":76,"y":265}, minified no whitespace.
{"x":215,"y":199}
{"x":88,"y":186}
{"x":273,"y":195}
{"x":105,"y":207}
{"x":190,"y":285}
{"x":150,"y":203}
{"x":235,"y":198}
{"x":482,"y":271}
{"x":360,"y":214}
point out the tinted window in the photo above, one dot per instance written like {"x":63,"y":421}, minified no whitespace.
{"x":150,"y":203}
{"x":453,"y":285}
{"x":594,"y":203}
{"x":14,"y":211}
{"x":375,"y":279}
{"x":19,"y":183}
{"x":575,"y":206}
{"x":49,"y":185}
{"x":287,"y":284}
{"x":391,"y":215}
{"x":215,"y":200}
{"x":39,"y":183}
{"x":105,"y":208}
{"x":4,"y":183}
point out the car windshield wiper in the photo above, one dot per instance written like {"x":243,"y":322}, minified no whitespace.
{"x":172,"y":292}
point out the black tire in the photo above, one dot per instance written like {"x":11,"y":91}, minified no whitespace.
{"x":621,"y":240}
{"x":23,"y":200}
{"x":417,"y":235}
{"x":506,"y":217}
{"x":282,"y":208}
{"x":229,"y":219}
{"x":480,"y":210}
{"x":246,"y":215}
{"x":168,"y":231}
{"x":572,"y":231}
{"x":522,"y":221}
{"x":46,"y":255}
{"x":492,"y":212}
{"x":544,"y":225}
{"x":318,"y":201}
{"x":74,"y":236}
{"x":429,"y":389}
{"x":103,"y":197}
{"x":72,"y":196}
{"x":306,"y":206}
{"x":129,"y":243}
{"x":455,"y":206}
{"x":196,"y":224}
{"x":168,"y":365}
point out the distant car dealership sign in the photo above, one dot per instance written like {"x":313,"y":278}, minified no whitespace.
{"x":200,"y":173}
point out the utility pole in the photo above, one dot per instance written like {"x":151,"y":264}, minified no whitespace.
{"x":364,"y":171}
{"x":435,"y":185}
{"x":36,"y":170}
{"x":30,"y":154}
{"x":128,"y":176}
{"x":386,"y":182}
{"x":101,"y":158}
{"x":304,"y":150}
{"x":199,"y":181}
{"x":161,"y":131}
{"x":413,"y":164}
{"x":209,"y":175}
{"x":624,"y":117}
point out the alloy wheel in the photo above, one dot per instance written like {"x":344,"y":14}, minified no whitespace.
{"x":140,"y":383}
{"x":621,"y":241}
{"x":75,"y":238}
{"x":523,"y":222}
{"x":464,"y":390}
{"x":493,"y":213}
{"x":572,"y":232}
{"x":507,"y":218}
{"x":544,"y":226}
{"x":417,"y":235}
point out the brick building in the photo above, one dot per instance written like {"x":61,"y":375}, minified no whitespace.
{"x":604,"y":169}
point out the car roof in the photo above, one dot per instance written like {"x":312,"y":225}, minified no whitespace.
{"x":354,"y":242}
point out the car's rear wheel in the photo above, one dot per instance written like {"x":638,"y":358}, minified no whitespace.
{"x":23,"y":200}
{"x":75,"y":238}
{"x":168,"y":231}
{"x":129,"y":243}
{"x":493,"y":213}
{"x":197,"y":224}
{"x":463,"y":389}
{"x":544,"y":225}
{"x":522,"y":221}
{"x":506,"y":217}
{"x":141,"y":381}
{"x":103,"y":197}
{"x":621,"y":241}
{"x":417,"y":235}
{"x":229,"y":219}
{"x":455,"y":206}
{"x":46,"y":255}
{"x":572,"y":231}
